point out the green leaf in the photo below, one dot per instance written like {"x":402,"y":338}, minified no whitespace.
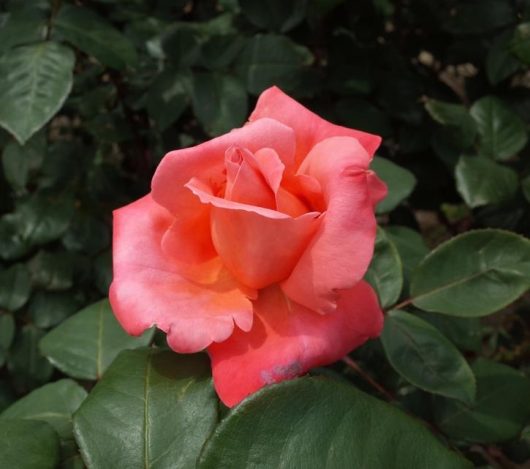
{"x":22,"y":27}
{"x":85,"y":344}
{"x":521,"y":42}
{"x":15,"y":287}
{"x":320,"y":423}
{"x":7,"y":333}
{"x":410,"y":246}
{"x":28,"y":444}
{"x":27,"y":366}
{"x":47,"y":309}
{"x":502,"y":132}
{"x":95,"y":36}
{"x":37,"y":221}
{"x":481,"y":181}
{"x":426,"y":358}
{"x":500,"y":62}
{"x":36,"y":81}
{"x":461,"y":128}
{"x":53,"y":403}
{"x":500,"y":411}
{"x":167,"y":97}
{"x":52,"y":271}
{"x":180,"y":44}
{"x":153,"y":408}
{"x":86,"y":234}
{"x":18,"y":161}
{"x":473,"y":274}
{"x":400,"y":183}
{"x":219,"y":51}
{"x":268,"y":60}
{"x":219,"y":102}
{"x":279,"y":15}
{"x":385,"y":271}
{"x":465,"y":333}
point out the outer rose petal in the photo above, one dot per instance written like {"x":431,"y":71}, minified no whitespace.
{"x":148,"y":290}
{"x":259,"y":246}
{"x":341,"y":250}
{"x":308,"y":127}
{"x":287,"y":340}
{"x":207,"y":162}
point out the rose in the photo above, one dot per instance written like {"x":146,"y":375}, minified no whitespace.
{"x":253,"y":246}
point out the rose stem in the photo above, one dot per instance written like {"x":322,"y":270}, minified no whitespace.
{"x":354,"y":366}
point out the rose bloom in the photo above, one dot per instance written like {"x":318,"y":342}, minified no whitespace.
{"x":253,"y":246}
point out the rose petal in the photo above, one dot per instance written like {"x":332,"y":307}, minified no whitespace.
{"x":271,"y":167}
{"x":189,"y":240}
{"x":245,"y":181}
{"x":378,"y":189}
{"x":259,"y":246}
{"x":207,"y":161}
{"x":341,"y":250}
{"x":308,"y":127}
{"x":148,"y":288}
{"x":287,"y":340}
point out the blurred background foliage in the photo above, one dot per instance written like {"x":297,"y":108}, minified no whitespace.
{"x":94,"y":93}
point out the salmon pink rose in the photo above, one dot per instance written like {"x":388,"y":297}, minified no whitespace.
{"x":253,"y":246}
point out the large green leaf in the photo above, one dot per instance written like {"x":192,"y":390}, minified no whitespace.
{"x":423,"y":356}
{"x":400,"y":183}
{"x":521,"y":42}
{"x":268,"y":60}
{"x":219,"y":102}
{"x":85,"y":344}
{"x":15,"y":287}
{"x":53,"y":403}
{"x":36,"y":81}
{"x":319,"y":423}
{"x":500,"y":411}
{"x":22,"y":27}
{"x":385,"y":272}
{"x":502,"y":132}
{"x":473,"y":274}
{"x":153,"y":408}
{"x":28,"y":444}
{"x":95,"y":36}
{"x":481,"y":181}
{"x":280,"y":15}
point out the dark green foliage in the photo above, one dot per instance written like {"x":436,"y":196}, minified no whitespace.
{"x":93,"y":94}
